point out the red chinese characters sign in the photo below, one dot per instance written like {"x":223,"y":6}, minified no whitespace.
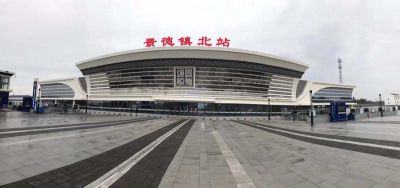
{"x":187,"y":41}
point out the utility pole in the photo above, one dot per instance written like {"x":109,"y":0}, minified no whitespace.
{"x":380,"y":103}
{"x":269,"y":109}
{"x":340,"y":70}
{"x":86,"y":103}
{"x":311,"y":109}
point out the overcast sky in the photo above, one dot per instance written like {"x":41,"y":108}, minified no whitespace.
{"x":44,"y":38}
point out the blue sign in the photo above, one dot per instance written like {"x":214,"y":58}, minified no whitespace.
{"x":338,"y":111}
{"x":34,"y":94}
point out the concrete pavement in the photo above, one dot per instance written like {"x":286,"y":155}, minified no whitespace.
{"x":213,"y":153}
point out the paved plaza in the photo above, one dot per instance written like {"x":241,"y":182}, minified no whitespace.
{"x":79,"y":150}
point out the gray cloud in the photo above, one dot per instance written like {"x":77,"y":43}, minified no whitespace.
{"x":46,"y":38}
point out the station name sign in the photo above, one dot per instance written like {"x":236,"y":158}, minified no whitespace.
{"x":187,"y":41}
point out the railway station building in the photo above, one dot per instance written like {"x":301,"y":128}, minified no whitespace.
{"x":191,"y":81}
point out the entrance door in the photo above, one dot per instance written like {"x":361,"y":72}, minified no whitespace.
{"x":183,"y":108}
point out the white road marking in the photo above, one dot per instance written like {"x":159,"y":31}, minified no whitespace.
{"x":113,"y":175}
{"x":356,"y":131}
{"x":43,"y":129}
{"x":360,"y":125}
{"x":332,"y":139}
{"x":340,"y":130}
{"x":241,"y":177}
{"x":203,"y":128}
{"x":65,"y":135}
{"x":66,"y":126}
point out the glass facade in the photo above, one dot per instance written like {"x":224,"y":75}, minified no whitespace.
{"x":196,"y":81}
{"x":56,"y":90}
{"x":333,"y":94}
{"x":4,"y":82}
{"x":186,"y":108}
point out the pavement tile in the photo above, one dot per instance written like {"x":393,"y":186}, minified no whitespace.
{"x":52,"y":164}
{"x":194,"y":162}
{"x":270,"y":160}
{"x":280,"y":170}
{"x":290,"y":179}
{"x":325,"y":184}
{"x":222,"y":180}
{"x":219,"y":170}
{"x":355,"y":182}
{"x":278,"y":185}
{"x":31,"y":170}
{"x":394,"y":177}
{"x":4,"y":167}
{"x":386,"y":184}
{"x":9,"y":176}
{"x":335,"y":176}
{"x":13,"y":162}
{"x":304,"y":184}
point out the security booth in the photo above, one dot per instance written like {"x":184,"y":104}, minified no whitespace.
{"x":338,"y":111}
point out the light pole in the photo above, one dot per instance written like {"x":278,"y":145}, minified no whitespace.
{"x":269,"y":109}
{"x":312,"y":109}
{"x":380,"y":103}
{"x":87,"y":96}
{"x":294,"y":113}
{"x":155,"y":102}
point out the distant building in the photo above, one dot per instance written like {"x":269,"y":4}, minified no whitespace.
{"x":392,"y":99}
{"x":4,"y":88}
{"x":389,"y":102}
{"x":16,"y":100}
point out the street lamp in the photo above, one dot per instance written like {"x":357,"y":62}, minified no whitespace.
{"x":380,"y":103}
{"x":87,"y":96}
{"x":269,"y":109}
{"x":312,"y":109}
{"x":294,"y":113}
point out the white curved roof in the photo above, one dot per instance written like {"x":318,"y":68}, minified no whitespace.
{"x":6,"y":72}
{"x":193,"y":52}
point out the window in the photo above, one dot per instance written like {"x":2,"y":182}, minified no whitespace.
{"x":4,"y":82}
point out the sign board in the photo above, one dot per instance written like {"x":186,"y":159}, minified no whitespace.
{"x":184,"y":77}
{"x":35,"y":85}
{"x":338,"y":111}
{"x":187,"y":41}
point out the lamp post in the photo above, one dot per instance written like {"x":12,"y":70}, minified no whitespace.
{"x":380,"y":103}
{"x":87,"y":96}
{"x":294,"y":113}
{"x":312,"y":109}
{"x":269,"y":109}
{"x":155,"y":102}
